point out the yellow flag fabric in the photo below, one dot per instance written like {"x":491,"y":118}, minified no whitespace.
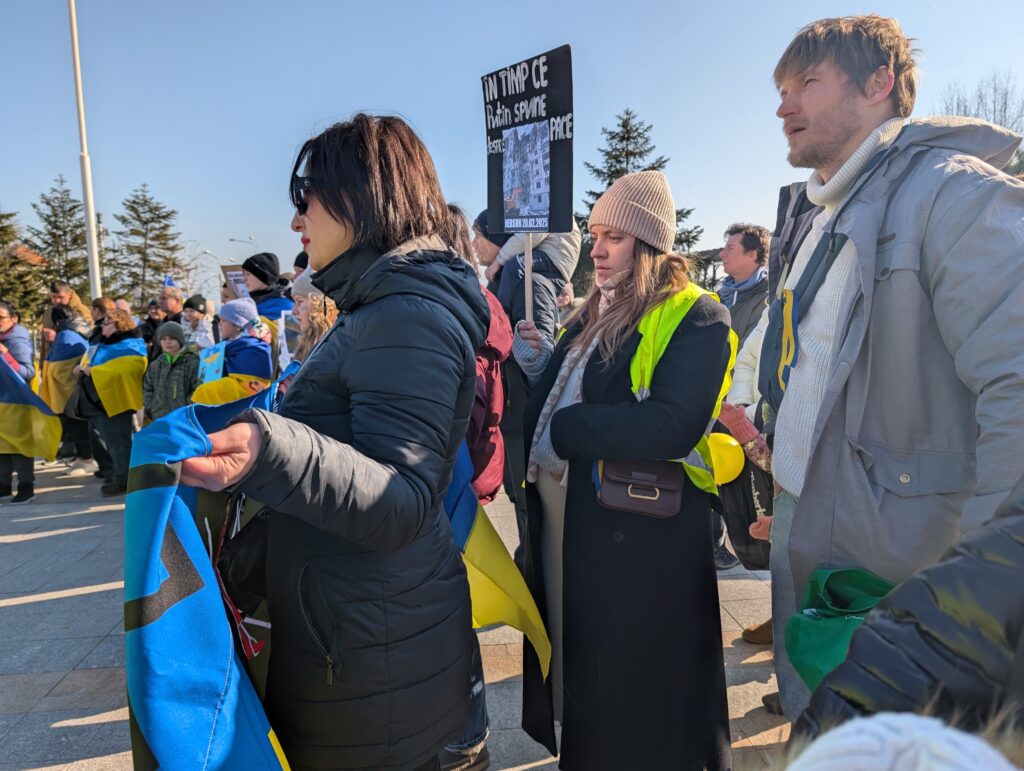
{"x":119,"y":383}
{"x":497,"y":589}
{"x":116,"y":370}
{"x":229,"y":388}
{"x":57,"y":383}
{"x":27,"y":426}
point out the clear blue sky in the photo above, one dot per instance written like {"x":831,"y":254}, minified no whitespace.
{"x":208,"y":101}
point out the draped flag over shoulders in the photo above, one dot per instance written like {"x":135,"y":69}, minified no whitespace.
{"x":117,"y":370}
{"x":245,"y":360}
{"x":496,"y":587}
{"x":191,"y":703}
{"x":27,"y":425}
{"x":58,"y":376}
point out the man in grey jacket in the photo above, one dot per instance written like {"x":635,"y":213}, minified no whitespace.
{"x":902,"y":424}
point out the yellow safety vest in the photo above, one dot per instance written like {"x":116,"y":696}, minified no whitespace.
{"x":656,"y":329}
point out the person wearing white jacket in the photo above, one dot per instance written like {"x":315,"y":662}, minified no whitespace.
{"x":744,"y":391}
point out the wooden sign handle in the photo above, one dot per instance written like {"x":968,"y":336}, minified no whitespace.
{"x":528,"y":276}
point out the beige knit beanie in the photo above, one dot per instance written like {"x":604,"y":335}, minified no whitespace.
{"x":641,"y":205}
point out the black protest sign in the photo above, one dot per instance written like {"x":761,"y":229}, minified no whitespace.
{"x":528,"y":114}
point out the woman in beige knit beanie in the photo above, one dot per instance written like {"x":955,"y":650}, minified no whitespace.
{"x":629,"y":598}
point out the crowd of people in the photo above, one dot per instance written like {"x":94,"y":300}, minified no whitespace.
{"x":159,"y":367}
{"x":861,"y":354}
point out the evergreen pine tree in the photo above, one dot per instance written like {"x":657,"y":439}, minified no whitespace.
{"x":8,"y":229}
{"x":148,"y":247}
{"x":22,"y":283}
{"x":60,"y":237}
{"x":628,"y":148}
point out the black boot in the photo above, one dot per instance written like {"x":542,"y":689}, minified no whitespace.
{"x":113,"y":488}
{"x":26,"y":492}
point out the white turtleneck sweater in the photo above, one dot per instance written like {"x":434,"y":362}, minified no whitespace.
{"x":819,"y":328}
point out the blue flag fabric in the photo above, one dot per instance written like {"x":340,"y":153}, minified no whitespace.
{"x":191,"y":702}
{"x":103,"y":354}
{"x":68,"y":344}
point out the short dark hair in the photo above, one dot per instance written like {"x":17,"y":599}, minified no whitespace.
{"x":58,"y":287}
{"x":60,"y":313}
{"x":857,"y":45}
{"x":755,"y":238}
{"x":11,"y":310}
{"x":375,"y":175}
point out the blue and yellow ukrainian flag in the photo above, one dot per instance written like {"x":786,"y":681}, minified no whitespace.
{"x":496,"y":587}
{"x":58,"y":377}
{"x":191,"y":702}
{"x":27,"y":426}
{"x":117,"y":370}
{"x":246,"y":360}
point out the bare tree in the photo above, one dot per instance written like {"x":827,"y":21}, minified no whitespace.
{"x":998,"y":99}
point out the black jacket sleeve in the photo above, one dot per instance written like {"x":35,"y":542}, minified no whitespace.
{"x":378,"y":490}
{"x":945,"y":639}
{"x":669,"y":423}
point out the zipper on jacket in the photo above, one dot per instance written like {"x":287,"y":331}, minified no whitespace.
{"x":313,"y":632}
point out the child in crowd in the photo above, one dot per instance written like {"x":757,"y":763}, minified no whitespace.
{"x":197,"y":326}
{"x":172,"y":376}
{"x":248,"y":364}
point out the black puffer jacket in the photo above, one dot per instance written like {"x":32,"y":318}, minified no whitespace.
{"x":953,"y":632}
{"x":367,"y":592}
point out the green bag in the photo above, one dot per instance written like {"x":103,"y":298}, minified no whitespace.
{"x":834,"y":605}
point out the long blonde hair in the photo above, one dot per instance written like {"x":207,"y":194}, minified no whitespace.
{"x":322,"y":314}
{"x":654,"y":276}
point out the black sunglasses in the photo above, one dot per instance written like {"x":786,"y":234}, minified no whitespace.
{"x":300,"y":186}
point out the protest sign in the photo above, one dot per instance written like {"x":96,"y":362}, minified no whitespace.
{"x":528,"y":115}
{"x":211,"y":363}
{"x":235,"y":280}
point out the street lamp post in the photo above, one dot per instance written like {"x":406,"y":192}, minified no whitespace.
{"x":249,"y":240}
{"x":95,"y":281}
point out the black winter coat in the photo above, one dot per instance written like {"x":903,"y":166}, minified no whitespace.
{"x":367,"y":591}
{"x":643,"y":680}
{"x":949,"y":639}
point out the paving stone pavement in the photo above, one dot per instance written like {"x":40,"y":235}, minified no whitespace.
{"x":63,"y":703}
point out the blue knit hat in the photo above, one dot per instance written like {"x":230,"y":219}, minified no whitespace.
{"x":241,"y":312}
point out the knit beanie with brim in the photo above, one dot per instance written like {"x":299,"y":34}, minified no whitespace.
{"x":173,"y":330}
{"x":641,"y":205}
{"x":197,"y":303}
{"x":303,"y":286}
{"x":241,"y":312}
{"x":264,"y":266}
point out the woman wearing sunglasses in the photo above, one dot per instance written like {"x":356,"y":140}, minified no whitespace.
{"x":367,"y":592}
